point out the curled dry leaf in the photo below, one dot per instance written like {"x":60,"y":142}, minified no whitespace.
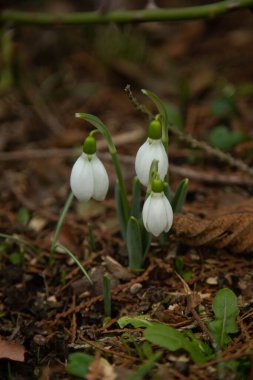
{"x":11,"y":350}
{"x":232,"y":230}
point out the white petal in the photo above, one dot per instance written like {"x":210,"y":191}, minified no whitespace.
{"x":149,"y":151}
{"x":145,"y":212}
{"x":154,"y":214}
{"x":81,"y":179}
{"x":101,"y":180}
{"x":140,"y":163}
{"x":169,"y":213}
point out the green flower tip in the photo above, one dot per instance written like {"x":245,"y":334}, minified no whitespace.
{"x":89,"y":145}
{"x":157,"y":186}
{"x":155,"y":130}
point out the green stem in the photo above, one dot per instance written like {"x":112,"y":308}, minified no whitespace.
{"x":123,"y":192}
{"x":59,"y":226}
{"x":208,"y":11}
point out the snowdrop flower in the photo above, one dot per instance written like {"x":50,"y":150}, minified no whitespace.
{"x":152,"y":149}
{"x":157,"y":213}
{"x":89,"y":178}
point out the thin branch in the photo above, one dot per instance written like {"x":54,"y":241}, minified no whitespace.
{"x":208,"y":11}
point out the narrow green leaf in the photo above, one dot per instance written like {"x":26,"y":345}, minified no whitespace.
{"x":120,"y":211}
{"x":97,"y":123}
{"x":134,"y":244}
{"x":146,"y":238}
{"x":136,"y":199}
{"x":180,"y":195}
{"x":138,"y":321}
{"x":78,"y":364}
{"x":226,"y":310}
{"x":73,"y":257}
{"x":18,"y":240}
{"x":59,"y":226}
{"x":159,"y":104}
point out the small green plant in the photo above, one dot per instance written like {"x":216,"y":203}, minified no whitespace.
{"x":223,"y":138}
{"x":78,"y":364}
{"x":90,"y":180}
{"x":225,"y":310}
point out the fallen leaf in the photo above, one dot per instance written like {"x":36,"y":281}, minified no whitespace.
{"x":11,"y":350}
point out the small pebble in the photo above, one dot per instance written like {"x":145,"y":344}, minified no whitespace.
{"x":135,"y":288}
{"x":212,"y":280}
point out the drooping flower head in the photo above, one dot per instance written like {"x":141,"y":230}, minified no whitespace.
{"x":157,"y":213}
{"x":89,"y":178}
{"x":151,"y":150}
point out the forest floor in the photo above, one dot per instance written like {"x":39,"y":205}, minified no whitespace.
{"x":203,"y":68}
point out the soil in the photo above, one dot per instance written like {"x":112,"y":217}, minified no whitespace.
{"x":49,"y":309}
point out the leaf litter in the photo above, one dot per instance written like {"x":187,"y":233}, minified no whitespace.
{"x":51,"y":312}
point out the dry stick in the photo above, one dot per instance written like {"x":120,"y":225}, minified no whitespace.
{"x":42,"y":154}
{"x":192,"y":141}
{"x":107,"y":350}
{"x":207,"y":11}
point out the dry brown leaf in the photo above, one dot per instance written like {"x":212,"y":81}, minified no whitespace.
{"x":11,"y":350}
{"x":232,"y":230}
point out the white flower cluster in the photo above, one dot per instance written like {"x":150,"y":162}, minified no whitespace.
{"x":89,"y":179}
{"x":157,"y":213}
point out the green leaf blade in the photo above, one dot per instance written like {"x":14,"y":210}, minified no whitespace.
{"x":78,"y":364}
{"x":134,"y":244}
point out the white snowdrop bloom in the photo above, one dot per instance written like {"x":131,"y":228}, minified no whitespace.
{"x":151,"y":150}
{"x":157,"y":213}
{"x":89,"y":178}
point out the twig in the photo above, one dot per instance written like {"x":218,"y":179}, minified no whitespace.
{"x":136,"y":104}
{"x":107,"y":350}
{"x":178,"y":170}
{"x":194,"y":142}
{"x":207,"y":11}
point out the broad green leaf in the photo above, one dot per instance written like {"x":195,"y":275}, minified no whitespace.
{"x":226,"y":310}
{"x":180,"y":195}
{"x":199,"y":351}
{"x":23,"y":216}
{"x":173,"y":340}
{"x":134,"y":244}
{"x":78,"y":364}
{"x":165,"y":336}
{"x":135,"y":209}
{"x":16,"y":258}
{"x":139,"y":321}
{"x":222,"y":138}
